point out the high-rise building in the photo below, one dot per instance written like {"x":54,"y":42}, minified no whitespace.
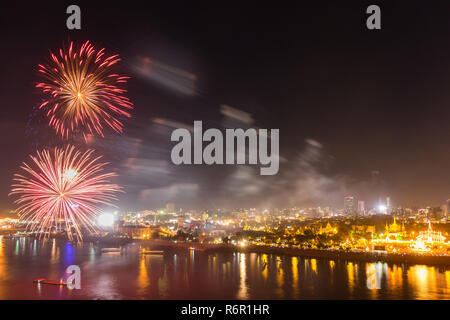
{"x":361,"y":208}
{"x":388,"y":205}
{"x":445,"y":208}
{"x":349,"y":205}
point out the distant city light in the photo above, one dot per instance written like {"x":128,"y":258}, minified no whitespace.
{"x":106,"y":220}
{"x":382,"y":208}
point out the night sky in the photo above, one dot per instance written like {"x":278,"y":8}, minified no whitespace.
{"x":347,"y":100}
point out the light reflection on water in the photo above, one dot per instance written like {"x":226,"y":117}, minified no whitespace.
{"x":295,"y":275}
{"x":242,"y":294}
{"x":197,"y":275}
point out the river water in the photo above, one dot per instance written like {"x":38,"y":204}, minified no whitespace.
{"x":197,"y":275}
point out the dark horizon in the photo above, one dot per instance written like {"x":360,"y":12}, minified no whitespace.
{"x":348,"y":101}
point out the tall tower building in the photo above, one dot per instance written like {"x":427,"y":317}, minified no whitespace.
{"x":361,"y":208}
{"x":445,"y":208}
{"x":349,"y":205}
{"x":388,"y":205}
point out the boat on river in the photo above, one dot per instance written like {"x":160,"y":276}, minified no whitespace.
{"x":110,"y":250}
{"x":152,"y":252}
{"x":45,"y":281}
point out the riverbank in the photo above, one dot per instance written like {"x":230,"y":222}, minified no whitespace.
{"x":306,"y":253}
{"x":398,"y":258}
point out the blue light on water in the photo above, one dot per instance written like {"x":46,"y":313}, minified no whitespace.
{"x":69,"y":254}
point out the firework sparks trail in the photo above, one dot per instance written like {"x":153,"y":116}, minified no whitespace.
{"x":82,"y":92}
{"x":63,"y":188}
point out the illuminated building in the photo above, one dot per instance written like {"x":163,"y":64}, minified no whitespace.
{"x":420,"y":246}
{"x":349,"y":205}
{"x":328,"y":229}
{"x":427,"y":240}
{"x":138,"y":232}
{"x":445,"y":208}
{"x":394,"y":231}
{"x":388,"y":205}
{"x":395,"y":239}
{"x":430,"y":236}
{"x":361,"y":208}
{"x":394,"y":227}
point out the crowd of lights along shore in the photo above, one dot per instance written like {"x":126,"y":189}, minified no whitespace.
{"x":63,"y":189}
{"x":83,"y":94}
{"x":396,"y":231}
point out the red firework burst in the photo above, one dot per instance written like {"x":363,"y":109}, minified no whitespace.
{"x":82,"y":92}
{"x":63,"y":189}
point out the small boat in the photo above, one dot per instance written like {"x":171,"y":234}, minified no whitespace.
{"x":152,"y":252}
{"x":106,"y":250}
{"x":45,"y":281}
{"x":197,"y":249}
